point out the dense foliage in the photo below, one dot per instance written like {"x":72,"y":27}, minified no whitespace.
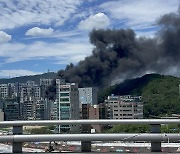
{"x":128,"y":87}
{"x":42,"y":130}
{"x":129,"y":128}
{"x":161,"y":97}
{"x":132,"y":128}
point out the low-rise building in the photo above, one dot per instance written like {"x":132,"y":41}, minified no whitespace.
{"x":88,"y":111}
{"x":124,"y":107}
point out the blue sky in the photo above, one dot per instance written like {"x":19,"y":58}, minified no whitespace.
{"x":37,"y":35}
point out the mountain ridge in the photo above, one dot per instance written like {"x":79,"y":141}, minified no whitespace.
{"x":160,"y":93}
{"x":24,"y":79}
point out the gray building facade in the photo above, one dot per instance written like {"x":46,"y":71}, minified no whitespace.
{"x":88,"y":95}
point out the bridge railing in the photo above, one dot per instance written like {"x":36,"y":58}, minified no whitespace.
{"x":155,"y":137}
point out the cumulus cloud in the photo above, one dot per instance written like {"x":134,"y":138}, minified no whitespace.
{"x":16,"y":73}
{"x":99,"y":20}
{"x":4,"y":37}
{"x":19,"y":13}
{"x":139,"y":14}
{"x":36,"y":31}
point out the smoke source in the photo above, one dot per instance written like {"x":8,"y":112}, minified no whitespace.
{"x":119,"y":54}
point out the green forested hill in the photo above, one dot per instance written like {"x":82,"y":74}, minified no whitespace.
{"x":161,"y":96}
{"x":23,"y":79}
{"x":128,"y":87}
{"x":160,"y":93}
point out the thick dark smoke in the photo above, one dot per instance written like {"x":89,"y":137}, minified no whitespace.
{"x":119,"y":54}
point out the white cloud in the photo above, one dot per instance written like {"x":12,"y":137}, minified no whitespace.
{"x":16,"y":73}
{"x":61,"y":35}
{"x":96,"y":21}
{"x":139,"y":14}
{"x":36,"y":31}
{"x":72,"y":59}
{"x":17,"y":13}
{"x":71,"y":51}
{"x":4,"y":37}
{"x":149,"y":34}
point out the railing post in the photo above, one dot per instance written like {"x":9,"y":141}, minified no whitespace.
{"x":155,"y":146}
{"x":86,"y":145}
{"x":17,"y":146}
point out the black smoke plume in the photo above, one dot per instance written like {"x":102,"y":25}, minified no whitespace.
{"x":119,"y":54}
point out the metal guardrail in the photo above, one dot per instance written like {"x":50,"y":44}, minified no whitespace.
{"x":90,"y":137}
{"x":155,"y":136}
{"x":89,"y":121}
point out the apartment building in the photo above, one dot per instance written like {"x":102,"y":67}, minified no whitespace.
{"x":36,"y":92}
{"x":26,"y":92}
{"x":44,"y":84}
{"x":29,"y":98}
{"x":124,"y":107}
{"x":39,"y":110}
{"x":11,"y":110}
{"x":28,"y":109}
{"x":53,"y":110}
{"x":4,"y":90}
{"x":58,"y":83}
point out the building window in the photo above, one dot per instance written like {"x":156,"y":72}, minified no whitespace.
{"x":64,"y":89}
{"x":64,"y":94}
{"x":65,"y":105}
{"x":64,"y":99}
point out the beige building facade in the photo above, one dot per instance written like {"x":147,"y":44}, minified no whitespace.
{"x":124,"y":107}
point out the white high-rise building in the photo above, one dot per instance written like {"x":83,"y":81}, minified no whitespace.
{"x":37,"y":92}
{"x":7,"y":90}
{"x":4,"y":90}
{"x":68,"y":104}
